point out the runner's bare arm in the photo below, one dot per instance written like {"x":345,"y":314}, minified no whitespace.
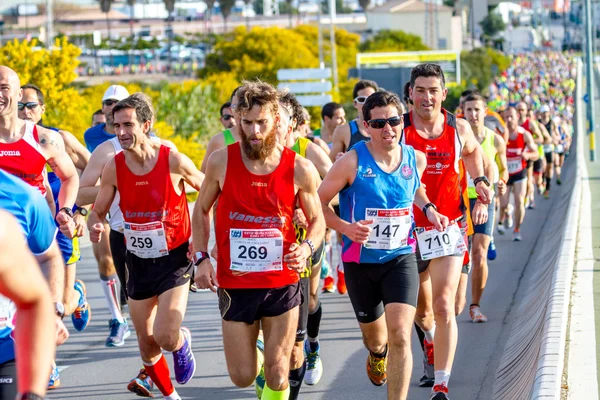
{"x":340,"y":140}
{"x":76,"y":151}
{"x":22,"y":282}
{"x":531,"y":152}
{"x":501,"y":158}
{"x":547,"y":137}
{"x":472,"y":155}
{"x":58,"y":159}
{"x":319,"y":158}
{"x":89,"y":181}
{"x":536,"y":132}
{"x":182,"y":165}
{"x":215,"y":143}
{"x":108,"y":188}
{"x":322,"y":144}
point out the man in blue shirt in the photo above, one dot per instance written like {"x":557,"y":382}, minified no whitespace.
{"x":99,"y":134}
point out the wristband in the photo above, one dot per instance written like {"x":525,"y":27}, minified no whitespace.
{"x":311,"y":245}
{"x":426,"y":206}
{"x":199,"y":257}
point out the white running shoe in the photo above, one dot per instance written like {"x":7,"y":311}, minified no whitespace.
{"x":517,"y":237}
{"x":501,"y":229}
{"x":476,"y":314}
{"x":314,"y":365}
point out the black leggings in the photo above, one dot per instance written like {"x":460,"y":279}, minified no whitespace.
{"x":8,"y":380}
{"x":119,"y":251}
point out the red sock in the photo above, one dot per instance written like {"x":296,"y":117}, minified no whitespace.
{"x":159,"y":372}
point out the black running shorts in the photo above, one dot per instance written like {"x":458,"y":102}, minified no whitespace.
{"x":519,"y":176}
{"x":249,"y":305}
{"x":149,"y":277}
{"x":8,"y":380}
{"x":372,"y":286}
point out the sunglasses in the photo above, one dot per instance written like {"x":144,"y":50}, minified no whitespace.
{"x":109,"y":103}
{"x":360,"y":99}
{"x":380,"y":123}
{"x":30,"y":105}
{"x":227,"y":117}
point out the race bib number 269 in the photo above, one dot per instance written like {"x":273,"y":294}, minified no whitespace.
{"x":256,"y":250}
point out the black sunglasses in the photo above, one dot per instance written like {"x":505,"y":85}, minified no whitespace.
{"x":380,"y":123}
{"x":227,"y":117}
{"x":30,"y":105}
{"x":109,"y":103}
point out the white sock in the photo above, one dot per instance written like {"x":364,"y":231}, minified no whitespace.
{"x":111,"y":293}
{"x":442,"y":377}
{"x":429,"y":335}
{"x":340,"y":263}
{"x":173,"y":396}
{"x":328,"y":253}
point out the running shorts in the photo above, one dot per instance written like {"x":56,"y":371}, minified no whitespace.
{"x":69,"y":248}
{"x":303,"y":312}
{"x":538,"y":166}
{"x":150,"y":277}
{"x":517,"y":177}
{"x":549,"y":156}
{"x":488,"y":227}
{"x":372,"y":286}
{"x":8,"y":380}
{"x":250,"y":305}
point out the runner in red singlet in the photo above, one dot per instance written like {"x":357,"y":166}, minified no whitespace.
{"x":150,"y":180}
{"x":520,"y":149}
{"x":258,"y":183}
{"x":444,"y":140}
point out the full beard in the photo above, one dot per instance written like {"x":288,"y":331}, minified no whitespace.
{"x":262,"y":151}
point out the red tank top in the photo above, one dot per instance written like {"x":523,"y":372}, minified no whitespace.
{"x":525,"y":125}
{"x":442,"y":177}
{"x":253,"y":226}
{"x":24,"y":158}
{"x":152,"y":198}
{"x":514,"y":153}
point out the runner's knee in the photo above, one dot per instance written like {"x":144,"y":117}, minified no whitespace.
{"x":242,"y":375}
{"x":443,"y":308}
{"x":167,"y":338}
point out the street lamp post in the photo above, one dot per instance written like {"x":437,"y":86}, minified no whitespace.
{"x":590,"y":78}
{"x":334,"y":68}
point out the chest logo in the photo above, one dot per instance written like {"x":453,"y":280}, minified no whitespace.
{"x":369,"y":173}
{"x":406,"y":172}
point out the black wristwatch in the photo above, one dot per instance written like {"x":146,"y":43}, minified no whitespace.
{"x":483,"y":179}
{"x":67,"y":211}
{"x":59,"y":309}
{"x":199,"y":256}
{"x":426,"y":207}
{"x":83,"y":211}
{"x":29,"y":396}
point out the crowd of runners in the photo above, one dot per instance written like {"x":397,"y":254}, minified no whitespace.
{"x":407,"y":196}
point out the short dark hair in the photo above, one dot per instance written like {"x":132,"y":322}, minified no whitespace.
{"x":143,"y":110}
{"x":225,"y":105}
{"x":39,"y":93}
{"x":467,"y":93}
{"x":427,"y":70}
{"x":330,"y":108}
{"x":288,"y":99}
{"x":474,"y":96}
{"x":234,"y":92}
{"x":363,"y":84}
{"x":98,"y":112}
{"x":406,"y":93}
{"x":380,"y":99}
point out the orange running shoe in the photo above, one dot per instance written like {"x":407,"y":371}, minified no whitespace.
{"x":428,"y":349}
{"x":376,"y":369}
{"x":328,"y":286}
{"x":341,"y":283}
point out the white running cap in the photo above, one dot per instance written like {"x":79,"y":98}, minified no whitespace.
{"x":544,"y":108}
{"x":115,"y":92}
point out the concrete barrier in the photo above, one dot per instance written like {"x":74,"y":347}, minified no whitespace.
{"x":532,"y":363}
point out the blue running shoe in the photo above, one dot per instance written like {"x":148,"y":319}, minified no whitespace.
{"x":260,"y":381}
{"x":492,"y":251}
{"x":314,"y":365}
{"x":141,"y":385}
{"x":183,"y":359}
{"x":82,"y":314}
{"x":118,"y":333}
{"x":54,"y":381}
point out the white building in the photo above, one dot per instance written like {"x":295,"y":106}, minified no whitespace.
{"x":419,"y":18}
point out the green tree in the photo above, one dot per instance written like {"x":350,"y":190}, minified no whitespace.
{"x":389,"y":41}
{"x":226,"y":7}
{"x":492,"y":24}
{"x":479,"y":67}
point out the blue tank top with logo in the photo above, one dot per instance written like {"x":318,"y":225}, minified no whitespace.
{"x":355,"y":135}
{"x":387,"y":199}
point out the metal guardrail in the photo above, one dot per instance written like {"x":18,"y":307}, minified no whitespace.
{"x":532,"y":362}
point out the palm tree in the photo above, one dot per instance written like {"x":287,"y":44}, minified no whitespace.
{"x":226,"y":6}
{"x":364,"y":4}
{"x":170,"y":6}
{"x":247,"y":2}
{"x":210,"y":4}
{"x":131,"y":4}
{"x":105,"y":7}
{"x":290,"y":10}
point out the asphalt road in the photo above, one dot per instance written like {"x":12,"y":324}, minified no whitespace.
{"x":90,"y":370}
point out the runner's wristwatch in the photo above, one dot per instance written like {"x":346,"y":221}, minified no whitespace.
{"x":483,"y":179}
{"x":83,"y":211}
{"x":426,"y":207}
{"x":59,"y":309}
{"x":67,"y":211}
{"x":199,"y":256}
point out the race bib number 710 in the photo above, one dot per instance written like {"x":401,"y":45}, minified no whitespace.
{"x":256,"y":250}
{"x":435,"y":244}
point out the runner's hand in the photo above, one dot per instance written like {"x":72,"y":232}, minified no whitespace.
{"x":501,"y":188}
{"x":96,"y":232}
{"x":296,"y":258}
{"x":205,"y":276}
{"x":66,"y":224}
{"x":359,"y":232}
{"x":79,"y":221}
{"x":62,"y":334}
{"x":300,"y":219}
{"x":480,"y":213}
{"x":439,"y":221}
{"x":484,"y":193}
